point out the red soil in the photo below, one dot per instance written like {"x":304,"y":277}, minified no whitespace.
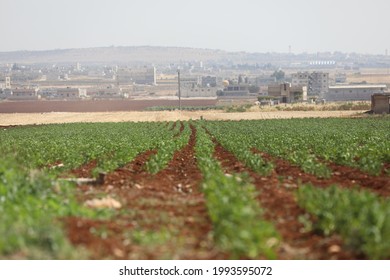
{"x":84,"y":171}
{"x":283,"y":211}
{"x":169,"y":201}
{"x":172,"y":201}
{"x":341,"y":175}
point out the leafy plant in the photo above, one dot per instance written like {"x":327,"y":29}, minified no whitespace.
{"x":30,"y":205}
{"x":360,"y":217}
{"x":233,"y":209}
{"x":166,"y":149}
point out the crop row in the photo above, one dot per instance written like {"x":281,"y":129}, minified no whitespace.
{"x":30,"y":205}
{"x":360,"y":217}
{"x":310,"y":143}
{"x":72,"y":145}
{"x":31,"y":200}
{"x":166,"y":149}
{"x":237,"y":218}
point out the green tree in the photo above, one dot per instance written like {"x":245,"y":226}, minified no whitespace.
{"x":279,"y":75}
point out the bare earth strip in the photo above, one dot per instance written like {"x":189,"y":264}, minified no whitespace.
{"x":163,"y":216}
{"x":282,"y":209}
{"x":58,"y":117}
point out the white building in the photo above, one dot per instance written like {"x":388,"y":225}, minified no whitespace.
{"x":7,"y":82}
{"x":354,"y":92}
{"x":198,"y":91}
{"x":209,"y":81}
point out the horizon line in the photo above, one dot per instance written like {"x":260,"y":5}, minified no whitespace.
{"x":198,"y":48}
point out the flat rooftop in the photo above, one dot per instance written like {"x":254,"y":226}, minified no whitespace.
{"x":357,"y":86}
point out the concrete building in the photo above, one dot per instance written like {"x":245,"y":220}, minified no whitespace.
{"x":198,"y":91}
{"x":142,"y":76}
{"x":209,"y":81}
{"x":317,"y":83}
{"x":300,"y":78}
{"x":105,"y":93}
{"x":279,"y":90}
{"x":286,"y":93}
{"x":195,"y":86}
{"x":23,"y":94}
{"x":48,"y":93}
{"x":7,"y":83}
{"x":189,"y":81}
{"x":234,"y":90}
{"x":68,"y":93}
{"x":380,"y":103}
{"x":353,"y":92}
{"x":60,"y":93}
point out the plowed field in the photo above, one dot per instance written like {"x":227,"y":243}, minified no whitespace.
{"x":163,"y":195}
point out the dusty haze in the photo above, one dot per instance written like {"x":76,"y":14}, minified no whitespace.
{"x":247,"y":25}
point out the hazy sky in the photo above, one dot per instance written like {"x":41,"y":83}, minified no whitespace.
{"x":246,"y":25}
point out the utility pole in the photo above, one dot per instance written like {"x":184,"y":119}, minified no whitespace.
{"x":178,"y":81}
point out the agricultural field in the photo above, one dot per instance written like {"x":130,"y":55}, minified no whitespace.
{"x":251,"y":189}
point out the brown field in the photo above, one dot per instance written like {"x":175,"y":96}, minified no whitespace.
{"x":372,"y":77}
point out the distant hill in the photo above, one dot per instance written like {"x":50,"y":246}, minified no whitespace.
{"x":142,"y":55}
{"x":116,"y":55}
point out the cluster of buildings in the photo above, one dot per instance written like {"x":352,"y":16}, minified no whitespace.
{"x":301,"y":87}
{"x":60,"y":93}
{"x":119,"y":82}
{"x":52,"y":82}
{"x":307,"y":86}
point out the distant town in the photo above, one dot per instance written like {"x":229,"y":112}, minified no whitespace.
{"x":226,"y":77}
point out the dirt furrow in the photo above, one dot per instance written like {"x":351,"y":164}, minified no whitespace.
{"x":162,"y":216}
{"x":173,"y":126}
{"x":85,"y":170}
{"x":180,"y":130}
{"x":343,"y":176}
{"x":282,"y":209}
